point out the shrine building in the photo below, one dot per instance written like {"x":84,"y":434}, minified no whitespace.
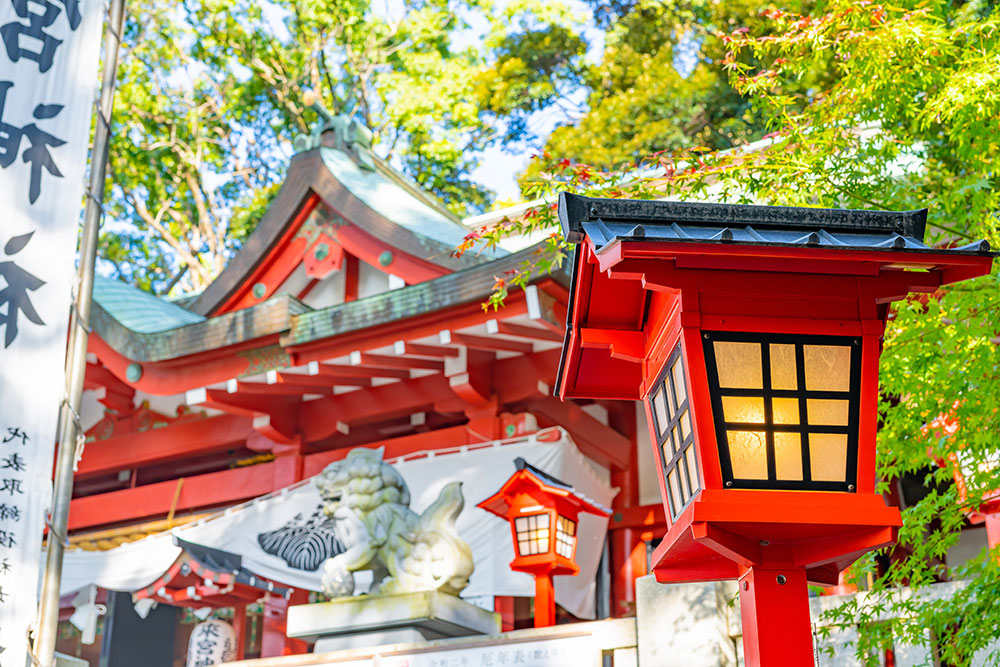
{"x":346,"y":320}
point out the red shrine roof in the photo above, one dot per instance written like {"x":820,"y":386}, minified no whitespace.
{"x":344,"y":320}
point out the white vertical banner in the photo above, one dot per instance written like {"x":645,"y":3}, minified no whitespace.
{"x":48,"y":84}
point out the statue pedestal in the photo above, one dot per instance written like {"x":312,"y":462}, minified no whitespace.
{"x":373,"y":620}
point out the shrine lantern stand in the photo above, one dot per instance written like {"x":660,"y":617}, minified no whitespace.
{"x":753,"y":335}
{"x":544,"y":515}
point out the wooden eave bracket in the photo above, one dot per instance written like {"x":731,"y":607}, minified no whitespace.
{"x":622,"y":344}
{"x":274,"y":417}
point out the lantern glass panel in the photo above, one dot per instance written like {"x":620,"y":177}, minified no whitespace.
{"x":783,"y":370}
{"x":674,"y":436}
{"x":788,"y":456}
{"x":785,"y":408}
{"x":828,"y":456}
{"x":827,"y":367}
{"x":748,"y":454}
{"x":532,"y":534}
{"x":565,"y":537}
{"x":739,"y":365}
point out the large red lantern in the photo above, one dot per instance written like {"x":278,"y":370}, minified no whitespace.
{"x":544,"y":514}
{"x":753,"y":335}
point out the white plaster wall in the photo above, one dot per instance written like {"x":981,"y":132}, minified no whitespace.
{"x":649,"y":485}
{"x":371,"y":281}
{"x":329,"y":291}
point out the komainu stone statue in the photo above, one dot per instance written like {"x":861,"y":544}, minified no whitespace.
{"x":406,"y":552}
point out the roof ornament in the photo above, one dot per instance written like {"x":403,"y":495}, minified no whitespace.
{"x":348,"y":134}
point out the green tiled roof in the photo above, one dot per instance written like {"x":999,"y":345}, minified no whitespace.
{"x":140,"y":311}
{"x":396,"y":203}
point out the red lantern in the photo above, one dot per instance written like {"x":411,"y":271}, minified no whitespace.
{"x":544,"y":514}
{"x":753,"y":334}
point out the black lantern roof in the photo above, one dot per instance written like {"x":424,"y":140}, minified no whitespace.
{"x":217,"y":560}
{"x":605,"y":221}
{"x":548,"y":480}
{"x":545,"y":477}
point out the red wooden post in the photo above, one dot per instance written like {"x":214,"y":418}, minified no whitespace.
{"x":274,"y":640}
{"x":504,"y":605}
{"x":545,"y":601}
{"x":777,"y":629}
{"x":627,"y":551}
{"x":240,"y":628}
{"x":993,"y":530}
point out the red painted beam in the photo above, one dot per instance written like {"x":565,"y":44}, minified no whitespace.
{"x":383,"y":361}
{"x":279,"y":389}
{"x":340,"y":371}
{"x":488,"y":343}
{"x":143,"y":502}
{"x":640,"y":516}
{"x":445,"y":438}
{"x":523,"y":331}
{"x":321,"y":380}
{"x":401,"y":347}
{"x":601,"y":443}
{"x":194,"y":438}
{"x":319,"y":418}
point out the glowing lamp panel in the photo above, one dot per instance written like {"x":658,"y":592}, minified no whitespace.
{"x":532,"y":534}
{"x":673,"y":435}
{"x":565,"y":537}
{"x":786,"y":409}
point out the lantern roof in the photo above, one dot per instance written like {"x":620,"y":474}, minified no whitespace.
{"x":630,"y":249}
{"x":209,"y":577}
{"x":604,"y":221}
{"x":528,"y":478}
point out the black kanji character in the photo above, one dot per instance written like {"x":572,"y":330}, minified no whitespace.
{"x":7,"y":539}
{"x":15,"y":295}
{"x":11,"y":486}
{"x":11,"y":512}
{"x":210,"y":630}
{"x":13,"y":433}
{"x":10,"y":136}
{"x":3,"y":596}
{"x":37,"y":153}
{"x":4,"y":566}
{"x":13,"y":32}
{"x":14,"y":462}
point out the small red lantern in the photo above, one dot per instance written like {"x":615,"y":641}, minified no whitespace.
{"x":753,"y":334}
{"x":544,"y":514}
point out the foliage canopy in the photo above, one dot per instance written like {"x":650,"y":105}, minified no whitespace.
{"x":901,"y":111}
{"x":210,"y":97}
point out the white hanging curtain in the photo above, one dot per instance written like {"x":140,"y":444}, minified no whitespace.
{"x":481,"y":468}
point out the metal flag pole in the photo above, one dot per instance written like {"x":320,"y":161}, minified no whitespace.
{"x":76,"y":357}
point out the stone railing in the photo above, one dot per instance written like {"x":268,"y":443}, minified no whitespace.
{"x":608,"y":643}
{"x":702,"y":623}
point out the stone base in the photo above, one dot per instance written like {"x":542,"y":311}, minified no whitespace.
{"x":373,"y":620}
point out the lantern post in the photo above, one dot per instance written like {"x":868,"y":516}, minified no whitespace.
{"x":752,"y":334}
{"x":544,"y":515}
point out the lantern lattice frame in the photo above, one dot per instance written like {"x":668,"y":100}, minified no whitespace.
{"x":788,"y":408}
